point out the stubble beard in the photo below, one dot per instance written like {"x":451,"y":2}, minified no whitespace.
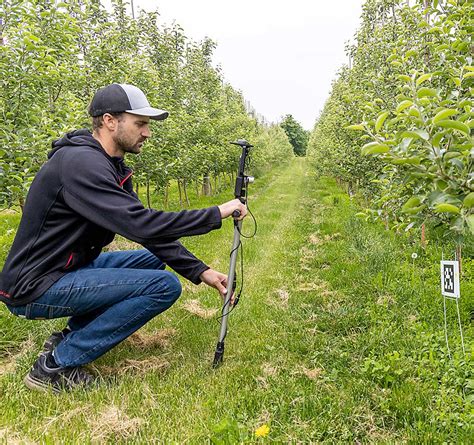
{"x":126,"y":143}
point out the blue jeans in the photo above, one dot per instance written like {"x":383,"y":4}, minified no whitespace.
{"x":106,"y":301}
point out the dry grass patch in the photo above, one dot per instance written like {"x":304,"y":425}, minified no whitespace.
{"x":279,"y":298}
{"x":6,"y":368}
{"x":314,"y":238}
{"x":112,"y":422}
{"x":120,"y":243}
{"x":12,"y":438}
{"x":8,"y":365}
{"x":269,"y":369}
{"x":144,"y":340}
{"x":66,"y":417}
{"x":135,"y":367}
{"x":385,"y":300}
{"x":313,"y":286}
{"x":311,"y":373}
{"x":195,"y":308}
{"x":307,"y":254}
{"x":306,"y":257}
{"x":190,"y":288}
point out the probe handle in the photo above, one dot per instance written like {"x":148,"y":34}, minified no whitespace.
{"x":236,"y":213}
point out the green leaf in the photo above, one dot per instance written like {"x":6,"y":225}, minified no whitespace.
{"x":403,"y":105}
{"x":358,"y":127}
{"x":468,"y":201}
{"x":423,"y":78}
{"x":470,"y":223}
{"x":455,"y":125}
{"x":437,"y":138}
{"x":415,"y":210}
{"x":415,"y":160}
{"x":426,"y":92}
{"x":446,"y":208}
{"x":451,"y":154}
{"x":414,"y":201}
{"x":374,"y":148}
{"x":380,"y":121}
{"x":444,"y":114}
{"x":468,"y":75}
{"x":404,"y":77}
{"x":416,"y":134}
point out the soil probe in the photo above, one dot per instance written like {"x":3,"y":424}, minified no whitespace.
{"x":241,"y":183}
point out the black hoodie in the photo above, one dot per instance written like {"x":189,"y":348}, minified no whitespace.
{"x":76,"y":204}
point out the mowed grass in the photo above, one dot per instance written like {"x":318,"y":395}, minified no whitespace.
{"x":337,"y":338}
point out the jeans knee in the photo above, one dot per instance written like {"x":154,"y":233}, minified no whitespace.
{"x":174,"y":286}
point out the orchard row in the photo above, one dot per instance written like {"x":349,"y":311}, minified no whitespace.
{"x":54,"y":56}
{"x":398,"y":123}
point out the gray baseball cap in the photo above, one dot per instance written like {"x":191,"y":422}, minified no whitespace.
{"x":118,"y":98}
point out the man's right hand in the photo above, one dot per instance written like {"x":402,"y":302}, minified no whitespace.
{"x":229,"y":207}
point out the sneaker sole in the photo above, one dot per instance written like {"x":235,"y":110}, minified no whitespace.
{"x":38,"y":385}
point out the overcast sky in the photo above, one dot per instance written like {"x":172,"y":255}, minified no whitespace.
{"x":282,"y":55}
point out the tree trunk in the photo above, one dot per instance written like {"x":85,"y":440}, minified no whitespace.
{"x":459,"y":258}
{"x":186,"y":193}
{"x":21,"y":202}
{"x":148,"y":198}
{"x":180,"y":194}
{"x":165,"y":199}
{"x":196,"y":185}
{"x":215,"y":184}
{"x":423,"y":236}
{"x":137,"y":188}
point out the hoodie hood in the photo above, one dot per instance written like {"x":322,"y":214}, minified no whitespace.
{"x":84,"y":138}
{"x":76,"y":138}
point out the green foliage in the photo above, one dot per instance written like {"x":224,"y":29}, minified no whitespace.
{"x":54,"y":57}
{"x":407,"y":102}
{"x":297,"y":135}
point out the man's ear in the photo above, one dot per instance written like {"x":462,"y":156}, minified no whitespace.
{"x":110,"y":122}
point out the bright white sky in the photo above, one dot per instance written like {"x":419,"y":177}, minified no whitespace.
{"x":282,"y":55}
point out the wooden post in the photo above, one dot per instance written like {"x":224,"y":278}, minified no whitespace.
{"x":206,"y":186}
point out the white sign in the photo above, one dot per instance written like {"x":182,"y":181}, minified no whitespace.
{"x":450,"y":279}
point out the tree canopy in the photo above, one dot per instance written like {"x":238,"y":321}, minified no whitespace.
{"x":297,"y":135}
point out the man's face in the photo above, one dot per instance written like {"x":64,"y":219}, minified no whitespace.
{"x":132,"y":131}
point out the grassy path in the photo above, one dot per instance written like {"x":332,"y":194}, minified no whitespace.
{"x":335,"y":340}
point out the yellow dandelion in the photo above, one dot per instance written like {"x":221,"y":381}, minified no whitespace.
{"x":262,"y":431}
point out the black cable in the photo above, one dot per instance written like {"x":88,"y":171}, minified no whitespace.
{"x":237,"y":298}
{"x":253,"y":217}
{"x":241,"y":246}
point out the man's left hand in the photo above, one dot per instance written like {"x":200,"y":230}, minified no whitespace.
{"x":215,"y":279}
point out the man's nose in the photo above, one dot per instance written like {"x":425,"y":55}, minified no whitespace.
{"x":146,"y":133}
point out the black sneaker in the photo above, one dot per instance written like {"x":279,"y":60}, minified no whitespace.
{"x":54,"y":339}
{"x":43,"y":377}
